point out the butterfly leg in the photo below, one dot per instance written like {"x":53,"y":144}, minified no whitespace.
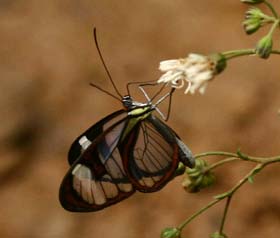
{"x":154,"y":83}
{"x":150,"y":82}
{"x":169,"y":94}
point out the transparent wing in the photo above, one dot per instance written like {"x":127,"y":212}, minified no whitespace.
{"x":150,"y":155}
{"x":97,"y":178}
{"x":86,"y":138}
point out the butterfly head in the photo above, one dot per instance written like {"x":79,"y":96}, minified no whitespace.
{"x":127,"y":102}
{"x":130,"y":104}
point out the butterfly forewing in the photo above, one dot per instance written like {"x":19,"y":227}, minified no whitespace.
{"x":150,"y":155}
{"x":97,"y":179}
{"x":85,"y":139}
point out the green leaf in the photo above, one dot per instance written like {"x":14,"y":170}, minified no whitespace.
{"x":251,"y":179}
{"x":170,"y":232}
{"x":218,"y":235}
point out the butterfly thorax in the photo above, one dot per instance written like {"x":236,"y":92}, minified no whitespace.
{"x":136,"y":111}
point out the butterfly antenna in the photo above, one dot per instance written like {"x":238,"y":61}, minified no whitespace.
{"x":104,"y":65}
{"x":104,"y":91}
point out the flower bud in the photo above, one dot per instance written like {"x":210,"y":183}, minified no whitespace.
{"x":252,"y":1}
{"x":254,"y":12}
{"x":170,"y":232}
{"x":180,"y":169}
{"x":254,"y":18}
{"x":198,"y":177}
{"x":264,"y":47}
{"x":251,"y":25}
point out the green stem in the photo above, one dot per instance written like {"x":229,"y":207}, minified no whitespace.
{"x":238,"y":155}
{"x":272,"y":29}
{"x":261,"y":163}
{"x":235,"y":157}
{"x":270,"y":6}
{"x":220,"y":197}
{"x":268,"y":21}
{"x":236,"y":53}
{"x":271,"y":160}
{"x":257,"y":168}
{"x":221,"y":162}
{"x":224,"y":215}
{"x":187,"y":221}
{"x":221,"y":153}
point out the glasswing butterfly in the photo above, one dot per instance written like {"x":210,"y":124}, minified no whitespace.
{"x":130,"y":149}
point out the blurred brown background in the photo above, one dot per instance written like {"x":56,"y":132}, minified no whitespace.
{"x":47,"y":60}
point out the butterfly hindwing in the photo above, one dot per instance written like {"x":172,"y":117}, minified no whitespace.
{"x":150,"y":155}
{"x":97,"y":178}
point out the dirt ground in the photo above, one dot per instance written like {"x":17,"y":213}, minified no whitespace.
{"x":47,"y":60}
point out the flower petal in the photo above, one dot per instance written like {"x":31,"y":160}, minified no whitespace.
{"x":196,"y":70}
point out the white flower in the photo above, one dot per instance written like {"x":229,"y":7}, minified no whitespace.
{"x":196,"y":70}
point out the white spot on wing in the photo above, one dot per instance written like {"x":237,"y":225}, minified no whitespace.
{"x":84,"y":142}
{"x":81,"y":171}
{"x":82,"y":182}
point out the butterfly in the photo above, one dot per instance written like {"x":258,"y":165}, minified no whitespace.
{"x":129,"y":150}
